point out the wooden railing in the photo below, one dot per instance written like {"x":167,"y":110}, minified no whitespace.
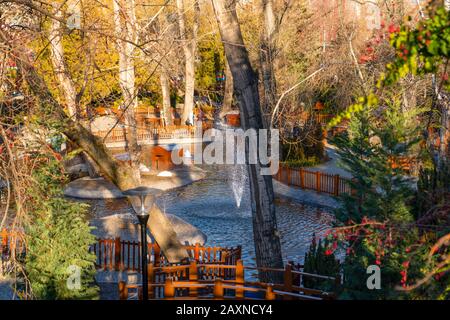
{"x":203,"y":281}
{"x":12,"y":246}
{"x":318,"y":181}
{"x":122,"y":255}
{"x":152,"y":134}
{"x":11,"y":241}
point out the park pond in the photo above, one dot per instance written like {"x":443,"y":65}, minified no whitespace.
{"x":219,"y":205}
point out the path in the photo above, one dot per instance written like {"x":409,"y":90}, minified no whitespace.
{"x":304,"y":196}
{"x":331,"y":166}
{"x":313,"y":197}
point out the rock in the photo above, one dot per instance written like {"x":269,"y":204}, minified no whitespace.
{"x":92,"y":188}
{"x":100,"y":188}
{"x":77,"y":169}
{"x":186,"y":232}
{"x":126,"y":227}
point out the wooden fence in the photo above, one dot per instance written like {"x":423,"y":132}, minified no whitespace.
{"x":221,"y":281}
{"x":122,"y":255}
{"x":313,"y":180}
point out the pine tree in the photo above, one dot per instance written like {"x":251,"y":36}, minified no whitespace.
{"x":378,"y":139}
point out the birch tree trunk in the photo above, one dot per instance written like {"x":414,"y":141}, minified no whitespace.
{"x":189,"y":48}
{"x":59,"y":64}
{"x":164,"y":66}
{"x":125,"y":24}
{"x":265,"y":233}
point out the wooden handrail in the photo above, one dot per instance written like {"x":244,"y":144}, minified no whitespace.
{"x":313,"y":275}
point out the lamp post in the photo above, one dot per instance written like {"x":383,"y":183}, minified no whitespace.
{"x":142,"y":200}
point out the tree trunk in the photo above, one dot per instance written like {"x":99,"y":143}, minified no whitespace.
{"x":267,"y":56}
{"x":189,"y":48}
{"x":228,"y":90}
{"x":57,"y":57}
{"x":165,"y":90}
{"x":267,"y":240}
{"x":125,"y":23}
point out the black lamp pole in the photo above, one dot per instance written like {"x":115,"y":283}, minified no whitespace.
{"x":143,"y":219}
{"x":141,"y":207}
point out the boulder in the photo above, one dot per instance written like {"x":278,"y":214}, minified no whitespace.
{"x":92,"y":188}
{"x":127,"y":228}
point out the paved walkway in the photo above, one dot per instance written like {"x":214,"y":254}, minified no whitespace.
{"x":304,"y":196}
{"x":331,"y":166}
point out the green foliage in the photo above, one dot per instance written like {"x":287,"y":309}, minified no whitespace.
{"x":303,"y":162}
{"x":420,"y":50}
{"x":210,"y":53}
{"x":319,"y":261}
{"x":58,"y":236}
{"x":362,"y":102}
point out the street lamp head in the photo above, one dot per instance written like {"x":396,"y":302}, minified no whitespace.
{"x":142,"y":199}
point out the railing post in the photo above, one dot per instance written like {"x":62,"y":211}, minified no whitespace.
{"x":151,"y":280}
{"x":193,"y":278}
{"x":123,"y":291}
{"x":270,"y":295}
{"x":302,"y":178}
{"x":197,"y":251}
{"x":157,"y":253}
{"x":169,"y":289}
{"x":4,"y":235}
{"x":288,"y":280}
{"x":336,"y":185}
{"x":117,"y":254}
{"x":318,"y":181}
{"x":218,"y":288}
{"x":288,"y":176}
{"x":240,"y":280}
{"x":338,"y":280}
